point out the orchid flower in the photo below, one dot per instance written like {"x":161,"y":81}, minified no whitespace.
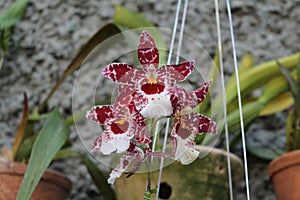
{"x":121,"y":124}
{"x":133,"y":159}
{"x":188,"y":124}
{"x":149,"y":84}
{"x":147,"y":93}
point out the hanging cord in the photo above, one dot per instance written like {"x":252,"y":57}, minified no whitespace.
{"x":224,"y":98}
{"x":239,"y":97}
{"x":168,"y":62}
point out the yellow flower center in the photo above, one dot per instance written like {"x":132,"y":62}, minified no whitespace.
{"x":121,"y":121}
{"x":151,"y":78}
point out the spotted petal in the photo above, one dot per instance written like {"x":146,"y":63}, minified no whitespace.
{"x":184,"y":150}
{"x":122,"y":73}
{"x":147,"y":51}
{"x":177,"y":73}
{"x":184,"y":132}
{"x":100,"y":114}
{"x":200,"y":93}
{"x":183,"y":101}
{"x":115,"y":138}
{"x":141,"y":135}
{"x":132,"y":157}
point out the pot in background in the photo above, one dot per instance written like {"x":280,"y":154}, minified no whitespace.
{"x":284,"y":172}
{"x":52,"y":185}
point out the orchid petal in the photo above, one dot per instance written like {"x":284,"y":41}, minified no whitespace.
{"x":184,"y":152}
{"x":97,"y":144}
{"x":200,"y":93}
{"x":125,"y":162}
{"x":177,"y":73}
{"x":157,"y":105}
{"x":131,"y":158}
{"x":115,"y":142}
{"x":100,"y":114}
{"x":183,"y":134}
{"x":122,"y":73}
{"x":181,"y":99}
{"x":141,"y":136}
{"x":183,"y":143}
{"x":147,"y":51}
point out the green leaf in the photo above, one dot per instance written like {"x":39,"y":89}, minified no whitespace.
{"x":126,"y":17}
{"x":66,"y":153}
{"x":147,"y":195}
{"x":50,"y":139}
{"x":292,"y":82}
{"x":277,"y":104}
{"x":25,"y":149}
{"x":4,"y":40}
{"x":12,"y":15}
{"x":99,"y":179}
{"x":265,"y":153}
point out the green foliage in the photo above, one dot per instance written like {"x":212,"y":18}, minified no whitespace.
{"x":265,"y":153}
{"x":13,"y":14}
{"x":10,"y":17}
{"x":293,"y":120}
{"x":51,"y":138}
{"x":98,"y":178}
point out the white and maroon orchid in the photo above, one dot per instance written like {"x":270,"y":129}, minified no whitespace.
{"x":188,"y":124}
{"x":131,"y":161}
{"x":149,"y":84}
{"x":147,"y":93}
{"x":184,"y":132}
{"x":121,"y":124}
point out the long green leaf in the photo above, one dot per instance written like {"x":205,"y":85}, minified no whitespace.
{"x":99,"y":179}
{"x":50,"y":139}
{"x":265,"y":153}
{"x":126,"y":17}
{"x":13,"y":14}
{"x":291,"y":81}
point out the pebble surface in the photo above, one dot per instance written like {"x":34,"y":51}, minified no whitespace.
{"x":52,"y":31}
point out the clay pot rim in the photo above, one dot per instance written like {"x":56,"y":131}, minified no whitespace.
{"x":50,"y":176}
{"x":285,"y":161}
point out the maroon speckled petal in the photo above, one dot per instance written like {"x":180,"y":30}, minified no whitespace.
{"x":199,"y":124}
{"x":100,"y":113}
{"x":200,"y":94}
{"x":122,"y":73}
{"x":176,"y":73}
{"x":147,"y":51}
{"x":141,"y":135}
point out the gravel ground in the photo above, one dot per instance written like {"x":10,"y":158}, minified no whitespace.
{"x":52,"y":31}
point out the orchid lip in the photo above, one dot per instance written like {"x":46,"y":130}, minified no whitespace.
{"x":150,"y":89}
{"x":119,"y":128}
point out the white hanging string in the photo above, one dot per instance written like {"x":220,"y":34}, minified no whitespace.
{"x":168,"y":62}
{"x":239,"y":97}
{"x":186,"y":2}
{"x":224,"y":98}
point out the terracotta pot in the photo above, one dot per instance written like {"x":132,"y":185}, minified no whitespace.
{"x":285,"y":175}
{"x":205,"y":178}
{"x":52,"y":185}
